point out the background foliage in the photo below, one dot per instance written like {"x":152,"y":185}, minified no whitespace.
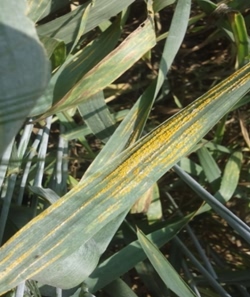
{"x":104,"y":142}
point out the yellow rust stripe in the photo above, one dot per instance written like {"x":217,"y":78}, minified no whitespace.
{"x":156,"y":153}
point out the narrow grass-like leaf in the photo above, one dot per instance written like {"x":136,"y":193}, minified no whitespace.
{"x":97,"y":116}
{"x":48,"y":194}
{"x":209,"y":277}
{"x":5,"y":161}
{"x":26,"y":170}
{"x":217,"y":147}
{"x":127,"y":133}
{"x":36,"y":10}
{"x":76,"y":66}
{"x":220,"y":130}
{"x":82,"y":26}
{"x":119,"y":60}
{"x":118,"y":288}
{"x":190,"y":167}
{"x":167,"y":273}
{"x":8,"y":190}
{"x":240,"y":36}
{"x":129,"y":256}
{"x":76,"y":132}
{"x":207,"y":5}
{"x":76,"y":217}
{"x":131,"y":128}
{"x":151,"y":279}
{"x":66,"y":27}
{"x":175,"y":37}
{"x":160,"y":4}
{"x":210,"y":168}
{"x":55,"y":49}
{"x":230,"y":176}
{"x":58,"y":180}
{"x":155,"y":212}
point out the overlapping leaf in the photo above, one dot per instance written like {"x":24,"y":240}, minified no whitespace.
{"x":115,"y":187}
{"x":167,"y":273}
{"x":24,"y":69}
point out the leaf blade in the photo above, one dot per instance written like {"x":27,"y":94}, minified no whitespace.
{"x":116,"y":187}
{"x":167,"y":273}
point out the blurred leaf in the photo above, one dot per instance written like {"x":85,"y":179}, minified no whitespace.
{"x":207,"y":5}
{"x":18,"y":216}
{"x":160,"y":4}
{"x":243,"y":127}
{"x":48,"y":194}
{"x":209,"y":166}
{"x":97,"y":116}
{"x":130,"y":255}
{"x":66,"y":27}
{"x":151,"y":279}
{"x":175,"y":37}
{"x":190,"y":167}
{"x":82,"y":26}
{"x":217,"y":147}
{"x":229,"y":181}
{"x":230,"y":176}
{"x":143,"y":203}
{"x":24,"y":69}
{"x":220,"y":130}
{"x":55,"y":49}
{"x":118,"y":288}
{"x":154,"y":212}
{"x":167,"y":273}
{"x":241,"y":38}
{"x":235,"y":222}
{"x":36,"y":10}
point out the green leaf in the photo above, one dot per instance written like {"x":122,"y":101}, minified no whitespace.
{"x":101,"y":11}
{"x":97,"y":116}
{"x":76,"y":66}
{"x":210,"y":168}
{"x":82,"y":26}
{"x":207,"y":5}
{"x":155,"y":212}
{"x":160,"y":4}
{"x":235,"y":222}
{"x":100,"y":76}
{"x":167,"y":273}
{"x":55,"y":49}
{"x":75,"y":218}
{"x":72,"y":270}
{"x":190,"y":167}
{"x":131,"y":128}
{"x":24,"y":69}
{"x":151,"y":279}
{"x":36,"y":10}
{"x":129,"y":256}
{"x":230,"y":176}
{"x":118,"y":288}
{"x":240,"y":37}
{"x":175,"y":37}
